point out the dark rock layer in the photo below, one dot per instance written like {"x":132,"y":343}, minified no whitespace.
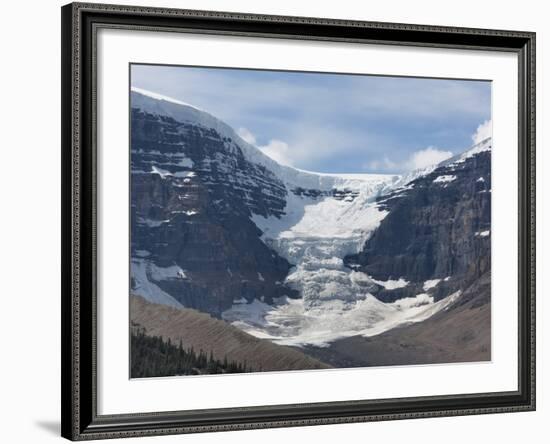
{"x":192,"y":194}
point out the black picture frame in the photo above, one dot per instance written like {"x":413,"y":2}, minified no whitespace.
{"x":80,"y":22}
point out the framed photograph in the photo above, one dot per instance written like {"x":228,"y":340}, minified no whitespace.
{"x":282,"y":221}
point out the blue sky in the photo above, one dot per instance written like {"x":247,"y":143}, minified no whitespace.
{"x":335,"y":123}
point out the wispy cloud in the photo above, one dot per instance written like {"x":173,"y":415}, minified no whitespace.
{"x":246,"y":135}
{"x":279,"y":151}
{"x":427,"y":157}
{"x":483,"y":131}
{"x":417,"y":160}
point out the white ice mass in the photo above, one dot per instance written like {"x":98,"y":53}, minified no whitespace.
{"x":316,"y":234}
{"x":290,"y":324}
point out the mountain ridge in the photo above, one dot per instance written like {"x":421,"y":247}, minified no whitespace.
{"x":185,"y":113}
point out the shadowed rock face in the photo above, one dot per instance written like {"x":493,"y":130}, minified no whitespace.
{"x":192,"y":193}
{"x":438,"y":226}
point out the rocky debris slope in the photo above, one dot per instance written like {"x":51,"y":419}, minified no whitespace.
{"x":462,"y":333}
{"x":200,"y":331}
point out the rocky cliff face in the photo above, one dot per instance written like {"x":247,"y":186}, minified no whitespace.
{"x":192,"y":194}
{"x":437,"y":229}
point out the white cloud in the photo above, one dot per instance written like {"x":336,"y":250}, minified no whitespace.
{"x":427,"y":157}
{"x":417,"y":160}
{"x":278,"y":151}
{"x":307,"y":139}
{"x":483,"y":131}
{"x":246,"y":135}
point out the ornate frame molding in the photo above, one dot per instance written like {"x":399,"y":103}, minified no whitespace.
{"x":80,"y":22}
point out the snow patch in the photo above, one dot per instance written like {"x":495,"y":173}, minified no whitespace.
{"x":156,"y":96}
{"x":444,"y":179}
{"x":244,"y":313}
{"x":483,"y":233}
{"x":152,"y":223}
{"x":141,"y":272}
{"x":392,"y":284}
{"x":431,"y":283}
{"x":187,"y":175}
{"x":186,"y":212}
{"x":416,"y":301}
{"x":162,"y":173}
{"x":165,"y":273}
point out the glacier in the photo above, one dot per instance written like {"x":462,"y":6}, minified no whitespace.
{"x":315,"y":234}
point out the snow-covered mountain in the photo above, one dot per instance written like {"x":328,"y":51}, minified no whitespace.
{"x":282,"y":253}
